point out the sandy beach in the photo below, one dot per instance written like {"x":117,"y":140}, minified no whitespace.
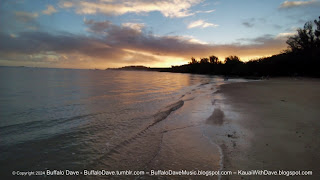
{"x":268,"y":125}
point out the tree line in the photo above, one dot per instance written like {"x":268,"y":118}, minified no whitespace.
{"x":301,"y":58}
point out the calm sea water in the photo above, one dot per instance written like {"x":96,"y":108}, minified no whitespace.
{"x":78,"y":119}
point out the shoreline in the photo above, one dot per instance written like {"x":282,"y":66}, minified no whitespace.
{"x":269,"y":124}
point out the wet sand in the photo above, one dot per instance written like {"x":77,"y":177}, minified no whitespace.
{"x":175,"y":141}
{"x":268,"y":125}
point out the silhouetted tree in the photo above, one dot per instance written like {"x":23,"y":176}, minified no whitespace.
{"x":193,"y":61}
{"x":204,"y":60}
{"x":232,"y":65}
{"x":232,"y":60}
{"x":317,"y":32}
{"x":304,"y":40}
{"x":214,"y":59}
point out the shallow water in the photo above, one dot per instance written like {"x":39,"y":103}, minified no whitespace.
{"x":92,"y":119}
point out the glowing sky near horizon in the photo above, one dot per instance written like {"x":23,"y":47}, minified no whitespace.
{"x":154,"y":33}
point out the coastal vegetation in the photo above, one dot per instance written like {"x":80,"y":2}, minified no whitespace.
{"x":301,"y":58}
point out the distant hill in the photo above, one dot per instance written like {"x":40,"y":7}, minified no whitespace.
{"x":141,"y":68}
{"x":132,"y":68}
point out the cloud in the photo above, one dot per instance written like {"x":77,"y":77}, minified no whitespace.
{"x":169,"y":8}
{"x":50,"y":10}
{"x":201,"y":24}
{"x":97,"y":27}
{"x":110,"y":45}
{"x":286,"y":34}
{"x":291,"y":4}
{"x":21,"y":20}
{"x":68,"y":49}
{"x":135,"y":26}
{"x":248,"y":24}
{"x":25,"y":16}
{"x":65,"y":4}
{"x":35,"y":42}
{"x":208,"y":11}
{"x":191,"y":39}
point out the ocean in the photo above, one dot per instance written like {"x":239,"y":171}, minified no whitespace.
{"x":61,"y":119}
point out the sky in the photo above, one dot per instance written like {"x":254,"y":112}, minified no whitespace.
{"x":103,"y":34}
